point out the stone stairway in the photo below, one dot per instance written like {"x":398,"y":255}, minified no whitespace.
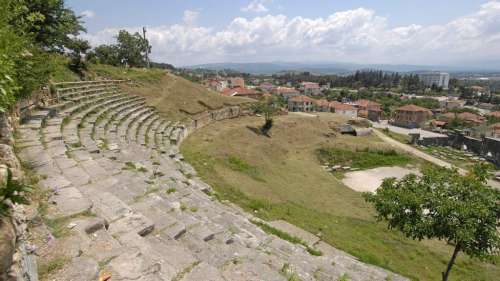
{"x":139,"y":212}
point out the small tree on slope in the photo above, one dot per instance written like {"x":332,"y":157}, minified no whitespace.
{"x":442,"y":204}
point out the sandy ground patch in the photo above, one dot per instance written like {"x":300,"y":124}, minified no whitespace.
{"x":370,"y":180}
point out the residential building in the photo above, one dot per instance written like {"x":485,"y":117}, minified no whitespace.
{"x":494,"y":114}
{"x":286,"y":92}
{"x":411,"y":116}
{"x":439,"y":79}
{"x":495,"y":130}
{"x":301,"y":103}
{"x":267,"y":87}
{"x":310,"y":89}
{"x":236,"y":82}
{"x":323,"y":105}
{"x":242,"y":92}
{"x":216,"y":84}
{"x":369,"y":109}
{"x":455,"y":103}
{"x":466,"y":117}
{"x":345,"y":109}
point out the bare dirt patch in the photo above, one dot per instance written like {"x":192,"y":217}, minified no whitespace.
{"x":370,"y":180}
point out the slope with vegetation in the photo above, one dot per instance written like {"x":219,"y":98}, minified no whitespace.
{"x":280,"y":178}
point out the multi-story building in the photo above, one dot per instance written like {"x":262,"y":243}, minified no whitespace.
{"x":411,"y":116}
{"x":236,"y":82}
{"x":301,"y":103}
{"x":310,"y":88}
{"x":439,"y":79}
{"x":286,"y":92}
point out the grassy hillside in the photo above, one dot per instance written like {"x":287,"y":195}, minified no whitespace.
{"x":174,"y":97}
{"x":281,"y":178}
{"x":178,"y":98}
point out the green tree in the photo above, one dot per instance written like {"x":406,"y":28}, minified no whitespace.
{"x":132,"y":48}
{"x":79,"y":48}
{"x":267,"y":107}
{"x":105,"y":54}
{"x":23,"y":65}
{"x":442,"y":204}
{"x":49,"y":23}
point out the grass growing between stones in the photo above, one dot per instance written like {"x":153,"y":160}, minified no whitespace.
{"x":45,"y":268}
{"x":59,"y":226}
{"x":296,"y":189}
{"x":285,"y":236}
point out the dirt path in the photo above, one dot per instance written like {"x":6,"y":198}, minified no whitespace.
{"x":425,"y":156}
{"x":416,"y":152}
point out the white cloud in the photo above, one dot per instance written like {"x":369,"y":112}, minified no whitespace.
{"x":358,"y":35}
{"x":190,"y":17}
{"x":88,"y":14}
{"x":257,"y":6}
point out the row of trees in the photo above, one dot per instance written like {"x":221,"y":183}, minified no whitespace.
{"x":362,"y":78}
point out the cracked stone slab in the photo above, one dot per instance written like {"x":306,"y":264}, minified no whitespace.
{"x":64,"y":162}
{"x":70,"y":201}
{"x":76,"y":175}
{"x":55,"y":182}
{"x":80,"y":269}
{"x":204,"y":271}
{"x":131,"y":222}
{"x":108,"y":206}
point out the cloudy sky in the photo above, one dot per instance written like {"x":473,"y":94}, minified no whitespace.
{"x":187,"y":32}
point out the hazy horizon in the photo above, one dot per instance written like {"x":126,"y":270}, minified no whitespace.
{"x":183,"y":33}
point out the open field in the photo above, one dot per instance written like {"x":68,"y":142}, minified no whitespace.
{"x":281,"y":178}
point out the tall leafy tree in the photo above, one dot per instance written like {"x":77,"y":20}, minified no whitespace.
{"x":132,"y":48}
{"x":442,"y":204}
{"x":51,"y":25}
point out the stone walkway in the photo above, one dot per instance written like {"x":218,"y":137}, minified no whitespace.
{"x":136,"y":211}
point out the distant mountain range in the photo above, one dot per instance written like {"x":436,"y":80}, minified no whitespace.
{"x":335,"y":68}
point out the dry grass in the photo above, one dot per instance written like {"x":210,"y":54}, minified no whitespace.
{"x":177,"y":98}
{"x":281,"y":178}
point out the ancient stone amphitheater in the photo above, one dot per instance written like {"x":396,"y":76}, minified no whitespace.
{"x":137,"y":211}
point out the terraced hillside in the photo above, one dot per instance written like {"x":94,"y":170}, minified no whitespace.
{"x":121,"y":201}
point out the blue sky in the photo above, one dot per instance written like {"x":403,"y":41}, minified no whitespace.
{"x":190,"y":32}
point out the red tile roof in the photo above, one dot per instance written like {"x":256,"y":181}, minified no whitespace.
{"x":495,"y":126}
{"x":239,"y":91}
{"x":302,"y":99}
{"x":495,"y":114}
{"x":343,"y":106}
{"x":413,"y":108}
{"x":323,"y":103}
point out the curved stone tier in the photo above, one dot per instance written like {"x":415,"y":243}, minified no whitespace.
{"x":105,"y":153}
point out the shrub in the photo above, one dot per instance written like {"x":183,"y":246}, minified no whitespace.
{"x":14,"y":192}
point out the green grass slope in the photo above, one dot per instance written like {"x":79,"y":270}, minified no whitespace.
{"x":281,"y":178}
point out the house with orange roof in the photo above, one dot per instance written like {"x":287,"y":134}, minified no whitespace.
{"x":242,"y":92}
{"x":369,"y":109}
{"x":301,"y":104}
{"x":345,"y":109}
{"x":495,"y":130}
{"x":310,"y":89}
{"x":323,"y":105}
{"x":286,"y":92}
{"x":411,"y":116}
{"x":466,"y":117}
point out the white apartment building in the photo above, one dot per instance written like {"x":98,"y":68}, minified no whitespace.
{"x":440,"y":79}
